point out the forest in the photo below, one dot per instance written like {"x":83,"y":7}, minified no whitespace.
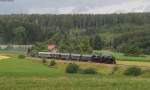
{"x":127,"y":33}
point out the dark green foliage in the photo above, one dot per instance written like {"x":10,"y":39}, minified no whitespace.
{"x":20,"y":34}
{"x":88,"y":71}
{"x":134,"y":42}
{"x":97,"y":43}
{"x":79,"y":33}
{"x":130,"y":50}
{"x":75,"y":43}
{"x":21,"y":56}
{"x":52,"y":63}
{"x":72,"y":68}
{"x":133,"y":71}
{"x":39,"y":47}
{"x":29,"y":51}
{"x":44,"y":61}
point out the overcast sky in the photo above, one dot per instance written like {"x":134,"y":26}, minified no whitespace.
{"x":73,"y":6}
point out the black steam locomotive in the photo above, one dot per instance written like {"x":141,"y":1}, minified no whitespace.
{"x":77,"y":57}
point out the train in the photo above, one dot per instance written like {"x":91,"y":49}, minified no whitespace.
{"x":77,"y":57}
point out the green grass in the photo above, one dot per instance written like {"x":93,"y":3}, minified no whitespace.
{"x":74,"y":83}
{"x":122,"y":57}
{"x":14,"y":51}
{"x":29,"y":74}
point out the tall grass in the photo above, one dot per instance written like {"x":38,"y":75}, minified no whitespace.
{"x":73,"y":83}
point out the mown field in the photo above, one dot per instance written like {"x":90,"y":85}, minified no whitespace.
{"x":31,"y":74}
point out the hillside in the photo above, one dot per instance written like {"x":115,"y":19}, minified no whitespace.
{"x":119,"y":32}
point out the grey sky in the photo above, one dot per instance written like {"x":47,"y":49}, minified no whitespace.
{"x":74,"y":6}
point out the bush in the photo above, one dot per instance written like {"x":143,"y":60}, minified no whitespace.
{"x":52,"y":63}
{"x":21,"y":56}
{"x":133,"y":71}
{"x":88,"y":71}
{"x":72,"y":68}
{"x":44,"y":61}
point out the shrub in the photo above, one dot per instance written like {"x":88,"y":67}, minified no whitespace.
{"x":72,"y":68}
{"x":88,"y":71}
{"x":133,"y":71}
{"x":21,"y":56}
{"x":44,"y":60}
{"x":52,"y":63}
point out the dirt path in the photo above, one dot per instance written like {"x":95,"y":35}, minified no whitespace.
{"x":3,"y":57}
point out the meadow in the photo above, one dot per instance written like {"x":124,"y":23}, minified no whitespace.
{"x":31,"y":74}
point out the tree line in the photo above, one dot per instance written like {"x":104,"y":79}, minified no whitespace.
{"x":128,"y":33}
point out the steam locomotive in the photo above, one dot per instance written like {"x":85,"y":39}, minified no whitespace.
{"x":78,"y":57}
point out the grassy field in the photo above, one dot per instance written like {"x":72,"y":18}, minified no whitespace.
{"x":31,"y":74}
{"x":122,"y":57}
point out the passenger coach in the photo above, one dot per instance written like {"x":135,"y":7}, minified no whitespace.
{"x":78,"y":57}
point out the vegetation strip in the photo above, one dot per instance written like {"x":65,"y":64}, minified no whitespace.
{"x":134,"y":65}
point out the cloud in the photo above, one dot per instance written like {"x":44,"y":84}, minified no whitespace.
{"x":131,"y":6}
{"x":74,"y":6}
{"x":64,"y":10}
